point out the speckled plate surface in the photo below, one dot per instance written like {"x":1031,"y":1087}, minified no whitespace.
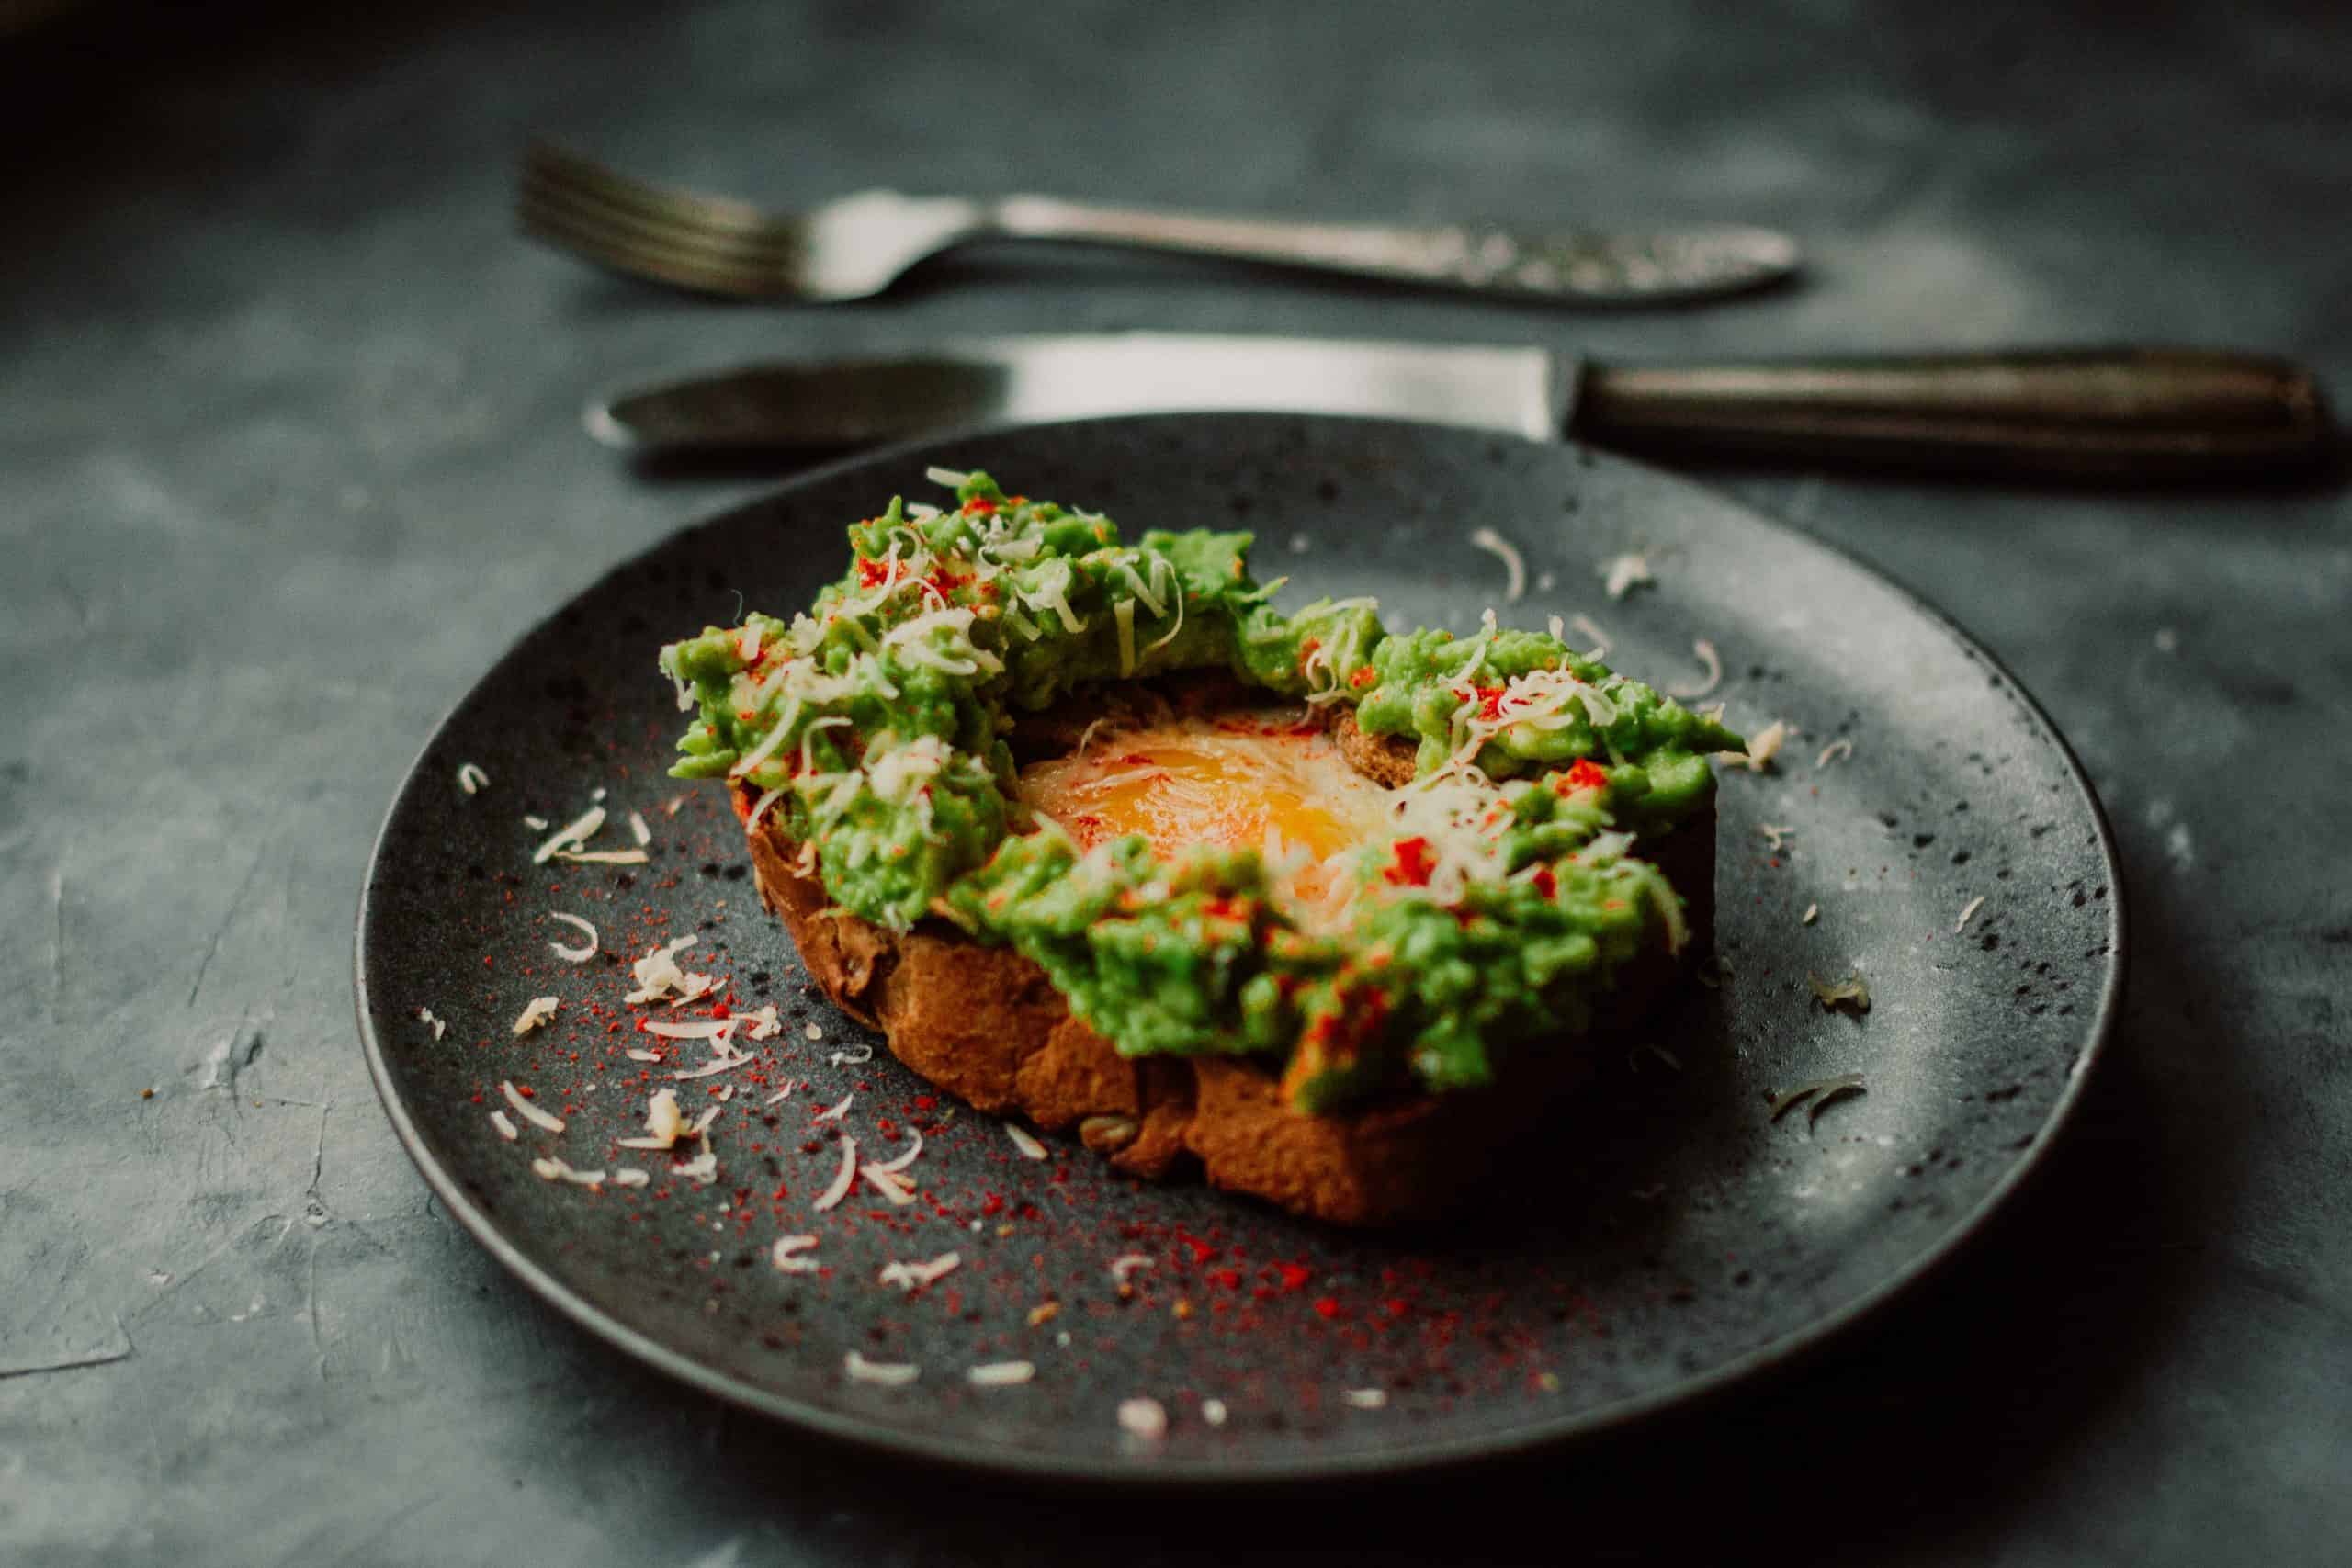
{"x":1665,"y":1237}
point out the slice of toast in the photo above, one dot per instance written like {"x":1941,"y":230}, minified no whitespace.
{"x":987,"y":1025}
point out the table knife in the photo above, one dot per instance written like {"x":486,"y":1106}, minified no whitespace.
{"x":2104,"y":414}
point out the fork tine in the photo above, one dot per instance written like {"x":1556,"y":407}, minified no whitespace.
{"x":713,"y":215}
{"x":625,"y":224}
{"x":588,"y":207}
{"x":615,"y":248}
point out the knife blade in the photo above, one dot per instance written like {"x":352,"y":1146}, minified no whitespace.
{"x":2118,"y":413}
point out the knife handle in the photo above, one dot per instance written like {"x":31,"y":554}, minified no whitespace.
{"x":2152,"y":413}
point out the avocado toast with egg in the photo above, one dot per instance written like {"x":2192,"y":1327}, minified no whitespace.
{"x":1095,"y":834}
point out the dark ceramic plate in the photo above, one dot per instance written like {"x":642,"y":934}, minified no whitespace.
{"x":1667,"y":1237}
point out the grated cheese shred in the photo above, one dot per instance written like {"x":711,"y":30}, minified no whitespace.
{"x":542,"y":1120}
{"x":571,"y":954}
{"x":1514,"y":564}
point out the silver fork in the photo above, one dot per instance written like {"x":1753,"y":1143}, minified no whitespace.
{"x":860,"y":244}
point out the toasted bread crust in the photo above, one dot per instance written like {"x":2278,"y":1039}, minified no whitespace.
{"x":987,"y":1025}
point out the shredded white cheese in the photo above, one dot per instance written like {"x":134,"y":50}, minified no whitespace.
{"x":834,"y":1112}
{"x":1143,"y":1419}
{"x":889,"y":1374}
{"x":539,"y":1010}
{"x":893,"y":1188}
{"x":602,"y":857}
{"x":775,"y":737}
{"x":639,"y":828}
{"x":1967,"y":915}
{"x":702,"y":1170}
{"x":763,"y":1022}
{"x":629,"y":1175}
{"x":548,"y":1168}
{"x":1123,"y":615}
{"x":760,"y":806}
{"x":1841,"y":747}
{"x":664,"y":1124}
{"x":855,"y":1056}
{"x":1127,"y":1263}
{"x":528,"y":1112}
{"x":911,"y":1277}
{"x":659,"y":975}
{"x":470,"y":778}
{"x":1001,"y":1374}
{"x":899,"y":1162}
{"x":1367,"y":1398}
{"x":1620,"y":575}
{"x":1514,"y":564}
{"x":1762,"y":747}
{"x":1811,"y":913}
{"x":1774,"y":833}
{"x":506,"y":1130}
{"x":575,"y":954}
{"x":1213,"y":1411}
{"x":1714,"y":667}
{"x":842,"y":1179}
{"x":440,"y":1026}
{"x":786,"y":1255}
{"x":1024,"y":1141}
{"x":573,"y":835}
{"x":719,"y":1031}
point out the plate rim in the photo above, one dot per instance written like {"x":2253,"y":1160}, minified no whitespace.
{"x":1710,"y":1386}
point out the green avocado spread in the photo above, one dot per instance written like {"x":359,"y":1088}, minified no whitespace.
{"x":1491,"y":920}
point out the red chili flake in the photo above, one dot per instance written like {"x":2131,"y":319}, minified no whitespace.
{"x":1363,"y":677}
{"x":722,"y":1012}
{"x":1413,"y":863}
{"x":1584,"y":774}
{"x":925,"y":1102}
{"x":992,"y":1205}
{"x":1294,"y":1275}
{"x":977,"y":507}
{"x":1308,"y":645}
{"x":1395,"y":1307}
{"x":1490,"y":701}
{"x":1229,"y":1278}
{"x":1327,"y":1307}
{"x":871,"y":573}
{"x":1202,"y":1251}
{"x":1545,"y":883}
{"x":780,"y":1191}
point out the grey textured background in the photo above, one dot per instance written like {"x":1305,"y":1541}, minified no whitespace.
{"x":287,"y":421}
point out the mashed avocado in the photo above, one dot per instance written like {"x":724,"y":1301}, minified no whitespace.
{"x":873,"y":724}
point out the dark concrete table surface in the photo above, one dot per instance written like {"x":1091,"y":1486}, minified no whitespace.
{"x":289,"y":425}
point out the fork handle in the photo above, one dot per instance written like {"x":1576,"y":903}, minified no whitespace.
{"x":1593,"y":268}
